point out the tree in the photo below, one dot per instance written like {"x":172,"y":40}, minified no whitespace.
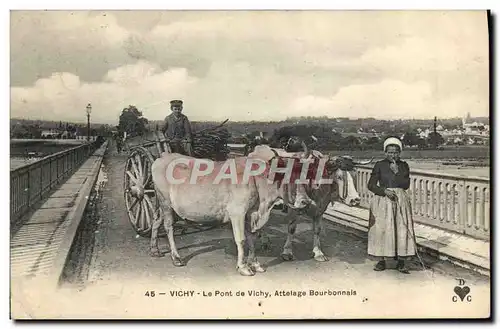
{"x":435,"y":139}
{"x":19,"y":131}
{"x":350,"y":143}
{"x":104,"y":130}
{"x":253,"y":134}
{"x":421,"y":143}
{"x":132,"y":122}
{"x":373,"y":143}
{"x":410,"y":138}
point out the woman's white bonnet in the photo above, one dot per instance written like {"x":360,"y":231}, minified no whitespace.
{"x":393,"y":141}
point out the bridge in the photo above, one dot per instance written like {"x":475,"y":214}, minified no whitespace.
{"x":50,"y":199}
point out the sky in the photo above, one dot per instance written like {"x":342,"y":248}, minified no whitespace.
{"x":249,"y":65}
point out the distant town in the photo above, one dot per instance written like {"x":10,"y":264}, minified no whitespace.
{"x":328,"y":132}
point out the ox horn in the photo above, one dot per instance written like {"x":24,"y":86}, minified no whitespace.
{"x":361,"y":163}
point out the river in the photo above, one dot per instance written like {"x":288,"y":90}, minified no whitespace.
{"x":25,"y":151}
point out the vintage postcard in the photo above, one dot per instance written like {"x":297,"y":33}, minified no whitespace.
{"x":250,"y":164}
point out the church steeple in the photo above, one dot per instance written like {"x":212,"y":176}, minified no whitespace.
{"x":466,"y":119}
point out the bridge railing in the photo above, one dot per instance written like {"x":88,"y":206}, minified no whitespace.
{"x":31,"y":183}
{"x":456,"y":203}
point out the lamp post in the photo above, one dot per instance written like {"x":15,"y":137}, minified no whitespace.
{"x":89,"y":109}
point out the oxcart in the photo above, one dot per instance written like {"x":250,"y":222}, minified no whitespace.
{"x":140,"y":195}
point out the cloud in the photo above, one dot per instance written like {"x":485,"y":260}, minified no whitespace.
{"x":64,"y":97}
{"x":86,"y":44}
{"x":389,"y":99}
{"x":250,"y":65}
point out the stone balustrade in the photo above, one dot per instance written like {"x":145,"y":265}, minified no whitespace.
{"x":456,"y":203}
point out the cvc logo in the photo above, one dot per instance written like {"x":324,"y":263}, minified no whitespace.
{"x":462,"y":292}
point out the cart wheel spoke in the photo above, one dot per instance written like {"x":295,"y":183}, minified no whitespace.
{"x":148,"y":201}
{"x":137,"y":218}
{"x":154,"y":211}
{"x":138,"y":158}
{"x":148,"y":179}
{"x":142,"y":220}
{"x":134,"y":166}
{"x":149,"y":191}
{"x":146,"y":212}
{"x":133,"y":204}
{"x":132,"y":177}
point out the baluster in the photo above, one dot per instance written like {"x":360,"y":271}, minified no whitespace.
{"x":368,"y":195}
{"x":453,"y":203}
{"x":485,"y":209}
{"x":446,"y":202}
{"x":420,"y":198}
{"x":426,"y":197}
{"x":423,"y":194}
{"x":438,"y":201}
{"x":473,"y":212}
{"x":359,"y":181}
{"x":413,"y":192}
{"x":463,"y":218}
{"x":362,"y":189}
{"x":432,"y":199}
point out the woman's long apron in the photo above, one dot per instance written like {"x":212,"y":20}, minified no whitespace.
{"x":391,"y":230}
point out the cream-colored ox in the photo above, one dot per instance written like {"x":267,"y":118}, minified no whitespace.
{"x":207,"y":194}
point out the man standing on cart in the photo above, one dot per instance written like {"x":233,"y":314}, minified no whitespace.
{"x":177,"y":130}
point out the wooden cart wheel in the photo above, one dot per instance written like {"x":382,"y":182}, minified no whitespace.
{"x":139,"y":192}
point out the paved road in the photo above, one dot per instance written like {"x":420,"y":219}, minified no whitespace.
{"x":122,"y":272}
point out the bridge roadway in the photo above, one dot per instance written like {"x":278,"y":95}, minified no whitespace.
{"x":113,"y":281}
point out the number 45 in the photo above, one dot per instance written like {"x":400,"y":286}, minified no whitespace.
{"x":150,"y":293}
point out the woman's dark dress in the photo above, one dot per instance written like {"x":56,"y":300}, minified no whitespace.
{"x":391,"y":230}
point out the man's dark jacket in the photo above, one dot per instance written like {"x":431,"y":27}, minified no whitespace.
{"x":177,"y":127}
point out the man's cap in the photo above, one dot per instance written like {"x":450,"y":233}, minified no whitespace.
{"x":176,"y":102}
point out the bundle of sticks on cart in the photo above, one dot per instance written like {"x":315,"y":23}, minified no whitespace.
{"x":211,"y":143}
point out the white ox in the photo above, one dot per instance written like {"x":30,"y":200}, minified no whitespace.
{"x":341,"y":188}
{"x":246,"y":205}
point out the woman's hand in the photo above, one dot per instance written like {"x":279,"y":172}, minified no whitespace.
{"x":391,"y":194}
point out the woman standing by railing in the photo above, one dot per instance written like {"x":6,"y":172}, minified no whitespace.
{"x":391,"y":233}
